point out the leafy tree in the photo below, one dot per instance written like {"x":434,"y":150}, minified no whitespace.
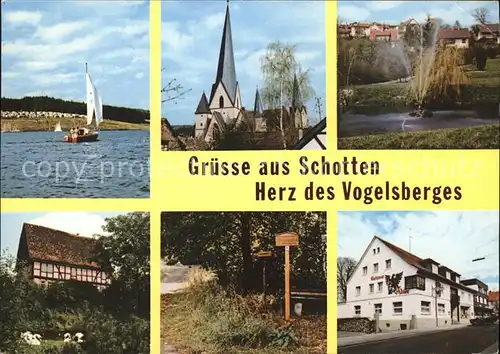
{"x":345,"y":269}
{"x":481,"y":57}
{"x":227,"y":243}
{"x":124,"y":253}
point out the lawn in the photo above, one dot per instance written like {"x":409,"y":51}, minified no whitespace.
{"x":478,"y":137}
{"x":375,"y":98}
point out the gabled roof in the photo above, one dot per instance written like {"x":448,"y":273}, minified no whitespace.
{"x":312,"y":134}
{"x":452,"y":33}
{"x":418,"y":263}
{"x":226,"y":70}
{"x":489,"y":27}
{"x":169,"y":138}
{"x":203,"y":107}
{"x":46,"y":244}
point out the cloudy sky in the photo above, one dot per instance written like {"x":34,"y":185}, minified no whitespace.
{"x":191,"y":36}
{"x":85,"y":224}
{"x":45,"y":45}
{"x":397,"y":11}
{"x":452,"y":238}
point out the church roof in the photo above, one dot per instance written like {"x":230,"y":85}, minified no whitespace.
{"x":203,"y":105}
{"x":226,"y":70}
{"x":46,"y":244}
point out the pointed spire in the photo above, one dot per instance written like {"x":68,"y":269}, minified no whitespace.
{"x":226,"y":71}
{"x":295,"y":92}
{"x":203,"y":107}
{"x":257,"y":107}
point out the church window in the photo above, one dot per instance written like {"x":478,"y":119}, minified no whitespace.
{"x":221,"y":102}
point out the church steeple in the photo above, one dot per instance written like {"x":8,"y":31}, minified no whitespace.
{"x":226,"y":71}
{"x":257,"y":107}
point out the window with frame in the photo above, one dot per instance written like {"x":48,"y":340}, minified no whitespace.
{"x":375,"y":267}
{"x":357,"y":310}
{"x":415,"y":282}
{"x":358,"y":290}
{"x":365,"y":270}
{"x":371,"y":288}
{"x":380,"y":286}
{"x":441,"y":309}
{"x":397,"y":307}
{"x":425,"y":307}
{"x":378,"y":308}
{"x":388,"y":264}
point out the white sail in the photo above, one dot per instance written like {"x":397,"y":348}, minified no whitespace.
{"x":97,"y":107}
{"x":58,"y":127}
{"x":90,"y":98}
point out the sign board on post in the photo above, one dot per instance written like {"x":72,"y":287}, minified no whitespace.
{"x":286,"y":240}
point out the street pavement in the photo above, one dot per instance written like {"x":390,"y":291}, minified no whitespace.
{"x":466,"y":340}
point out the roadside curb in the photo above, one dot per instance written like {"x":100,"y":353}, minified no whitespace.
{"x":374,"y":339}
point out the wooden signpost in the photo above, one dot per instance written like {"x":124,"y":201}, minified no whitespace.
{"x":287,"y":239}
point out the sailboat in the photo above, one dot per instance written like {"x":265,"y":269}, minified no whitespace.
{"x":94,"y":110}
{"x":58,"y":127}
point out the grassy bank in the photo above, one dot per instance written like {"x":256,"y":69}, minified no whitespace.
{"x":31,"y":125}
{"x":377,"y":98}
{"x":209,"y":320}
{"x":479,"y":137}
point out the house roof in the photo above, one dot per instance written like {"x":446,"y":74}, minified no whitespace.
{"x":311,"y":134}
{"x":44,"y":243}
{"x":418,"y":263}
{"x":452,"y":33}
{"x":489,"y":27}
{"x":493,"y":296}
{"x":474,"y":281}
{"x":169,"y":138}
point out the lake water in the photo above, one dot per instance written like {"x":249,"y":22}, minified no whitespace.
{"x":41,"y":165}
{"x":359,"y":124}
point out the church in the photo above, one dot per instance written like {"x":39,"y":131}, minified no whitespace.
{"x":223,"y":109}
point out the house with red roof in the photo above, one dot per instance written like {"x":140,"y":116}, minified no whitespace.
{"x":403,"y":291}
{"x":488,"y":31}
{"x":457,"y":37}
{"x":493,"y":300}
{"x":47,"y":255}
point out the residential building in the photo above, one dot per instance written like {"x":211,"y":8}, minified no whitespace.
{"x":493,"y":301}
{"x":405,"y":291}
{"x":224,"y":106}
{"x":480,"y":295}
{"x":46,"y":255}
{"x":489,"y":31}
{"x":457,"y":37}
{"x":314,"y":139}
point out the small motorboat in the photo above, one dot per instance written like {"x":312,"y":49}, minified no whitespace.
{"x":81,"y":136}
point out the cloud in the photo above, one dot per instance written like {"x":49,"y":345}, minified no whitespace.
{"x":352,"y":13}
{"x":451,"y":238}
{"x":85,"y":224}
{"x":23,"y":17}
{"x":49,"y":42}
{"x":384,"y":5}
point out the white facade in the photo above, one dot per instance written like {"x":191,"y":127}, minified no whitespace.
{"x":399,"y":303}
{"x":313,"y":144}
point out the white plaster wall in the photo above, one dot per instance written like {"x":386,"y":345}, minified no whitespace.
{"x":358,"y":279}
{"x":313,"y":145}
{"x":228,"y":111}
{"x":201,"y":123}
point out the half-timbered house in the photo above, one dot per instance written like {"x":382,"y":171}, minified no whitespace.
{"x":47,"y":255}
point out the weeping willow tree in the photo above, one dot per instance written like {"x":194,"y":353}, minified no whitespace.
{"x":439,"y":76}
{"x":278,"y":67}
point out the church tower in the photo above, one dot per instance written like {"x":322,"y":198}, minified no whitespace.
{"x":225,"y":97}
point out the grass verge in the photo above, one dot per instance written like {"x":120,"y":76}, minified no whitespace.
{"x":31,"y":125}
{"x":479,"y":137}
{"x":209,"y":320}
